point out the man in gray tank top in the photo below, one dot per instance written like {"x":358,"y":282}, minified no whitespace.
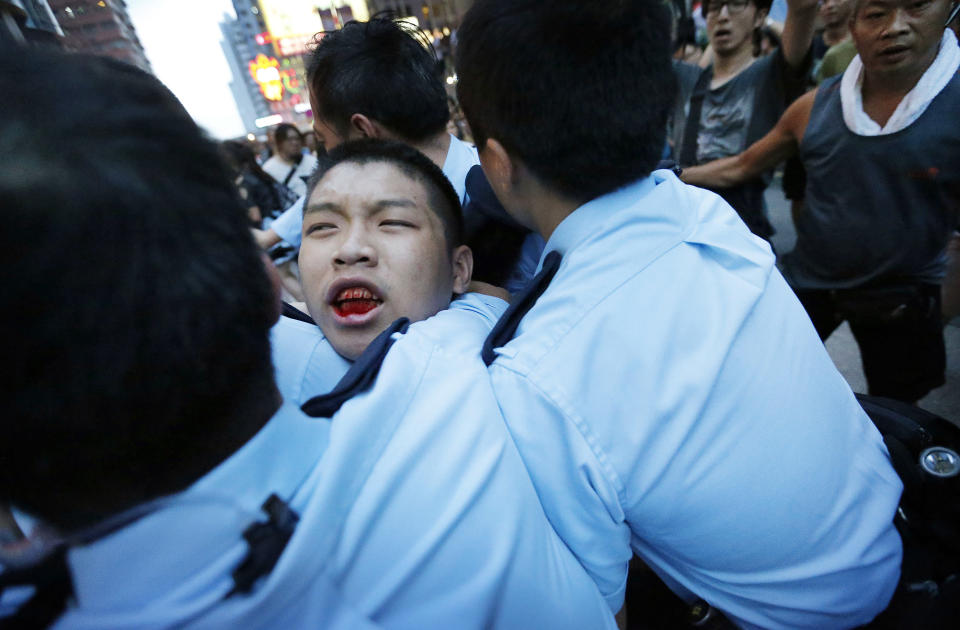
{"x":881,"y":148}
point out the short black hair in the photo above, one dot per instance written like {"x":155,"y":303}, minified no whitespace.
{"x":444,"y":200}
{"x":761,"y":5}
{"x":579,"y":91}
{"x":383,"y":69}
{"x":138,"y":305}
{"x":283,"y":131}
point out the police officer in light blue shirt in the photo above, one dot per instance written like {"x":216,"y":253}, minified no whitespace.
{"x":146,"y":430}
{"x":663,"y":384}
{"x":377,"y":79}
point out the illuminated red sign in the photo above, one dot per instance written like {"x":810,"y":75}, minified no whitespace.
{"x":265,"y":71}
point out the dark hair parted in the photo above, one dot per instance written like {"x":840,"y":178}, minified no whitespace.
{"x":444,"y":200}
{"x":383,"y":69}
{"x":579,"y":91}
{"x":138,"y":303}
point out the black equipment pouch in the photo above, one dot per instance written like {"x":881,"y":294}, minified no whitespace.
{"x":924,"y":451}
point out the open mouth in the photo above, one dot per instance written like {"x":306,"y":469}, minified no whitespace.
{"x":894,"y":51}
{"x":355,"y":301}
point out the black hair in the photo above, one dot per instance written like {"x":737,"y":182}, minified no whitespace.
{"x":138,"y":305}
{"x":283,"y":131}
{"x":761,"y":5}
{"x":444,"y":200}
{"x":579,"y":91}
{"x":240,"y":157}
{"x":383,"y":69}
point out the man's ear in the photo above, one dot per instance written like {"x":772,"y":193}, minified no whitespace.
{"x":365,"y":127}
{"x":462,"y":261}
{"x":498,"y":166}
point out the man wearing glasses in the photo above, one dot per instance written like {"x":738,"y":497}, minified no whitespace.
{"x":722,"y":109}
{"x":289,"y":165}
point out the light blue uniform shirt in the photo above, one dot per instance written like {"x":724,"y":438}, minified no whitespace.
{"x":671,"y":398}
{"x":306,"y":365}
{"x":415,"y":512}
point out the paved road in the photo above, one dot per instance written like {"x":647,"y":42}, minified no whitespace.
{"x":944,"y":400}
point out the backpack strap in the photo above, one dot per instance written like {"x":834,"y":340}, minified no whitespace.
{"x":286,"y":180}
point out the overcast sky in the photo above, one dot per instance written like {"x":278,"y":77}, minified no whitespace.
{"x":182,"y":41}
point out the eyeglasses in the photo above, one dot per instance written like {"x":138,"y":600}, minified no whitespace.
{"x":733,"y":7}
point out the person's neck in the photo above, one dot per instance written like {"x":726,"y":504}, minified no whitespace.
{"x":882,"y":94}
{"x":833,"y":35}
{"x":728,"y":65}
{"x":549,"y":211}
{"x":435,"y":147}
{"x":290,"y":161}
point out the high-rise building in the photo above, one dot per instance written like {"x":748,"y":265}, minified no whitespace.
{"x":28,"y":22}
{"x":242,"y":43}
{"x":100,"y":27}
{"x":265,"y":44}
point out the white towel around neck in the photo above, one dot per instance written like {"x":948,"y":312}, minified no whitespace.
{"x":913,"y":104}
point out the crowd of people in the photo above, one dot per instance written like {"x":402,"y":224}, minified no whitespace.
{"x":408,"y":380}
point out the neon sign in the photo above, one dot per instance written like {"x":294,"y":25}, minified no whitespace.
{"x":265,"y":72}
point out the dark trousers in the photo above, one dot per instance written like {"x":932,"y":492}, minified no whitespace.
{"x":899,"y":331}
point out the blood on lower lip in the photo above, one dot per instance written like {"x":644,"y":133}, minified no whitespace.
{"x":355,"y":307}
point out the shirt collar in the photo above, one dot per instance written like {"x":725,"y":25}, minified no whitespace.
{"x":194,"y":540}
{"x":589,"y":217}
{"x":461,"y":157}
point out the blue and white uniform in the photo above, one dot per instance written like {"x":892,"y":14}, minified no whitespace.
{"x":670,"y":397}
{"x":306,"y":365}
{"x":461,"y":157}
{"x":415,"y":511}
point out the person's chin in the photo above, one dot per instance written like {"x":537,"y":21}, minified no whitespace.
{"x":351,"y":334}
{"x":351,"y":344}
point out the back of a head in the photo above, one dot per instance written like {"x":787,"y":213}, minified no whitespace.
{"x":238,"y":155}
{"x":139,"y":305}
{"x":382,"y":69}
{"x":579,"y":91}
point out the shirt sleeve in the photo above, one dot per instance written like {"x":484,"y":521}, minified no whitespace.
{"x":289,"y":225}
{"x":447,"y":530}
{"x":486,"y":307}
{"x":575,"y":483}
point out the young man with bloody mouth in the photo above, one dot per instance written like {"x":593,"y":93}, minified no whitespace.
{"x":382,"y":239}
{"x":157,"y":450}
{"x":381,"y":236}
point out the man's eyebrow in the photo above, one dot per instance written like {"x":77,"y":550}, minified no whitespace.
{"x":377,"y":206}
{"x":382,"y":204}
{"x":324,"y":206}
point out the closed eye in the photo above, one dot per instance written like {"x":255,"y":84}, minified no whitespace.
{"x":396,"y":223}
{"x":320,"y":227}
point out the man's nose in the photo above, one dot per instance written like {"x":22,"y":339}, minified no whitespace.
{"x":898,"y":22}
{"x":356,"y":248}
